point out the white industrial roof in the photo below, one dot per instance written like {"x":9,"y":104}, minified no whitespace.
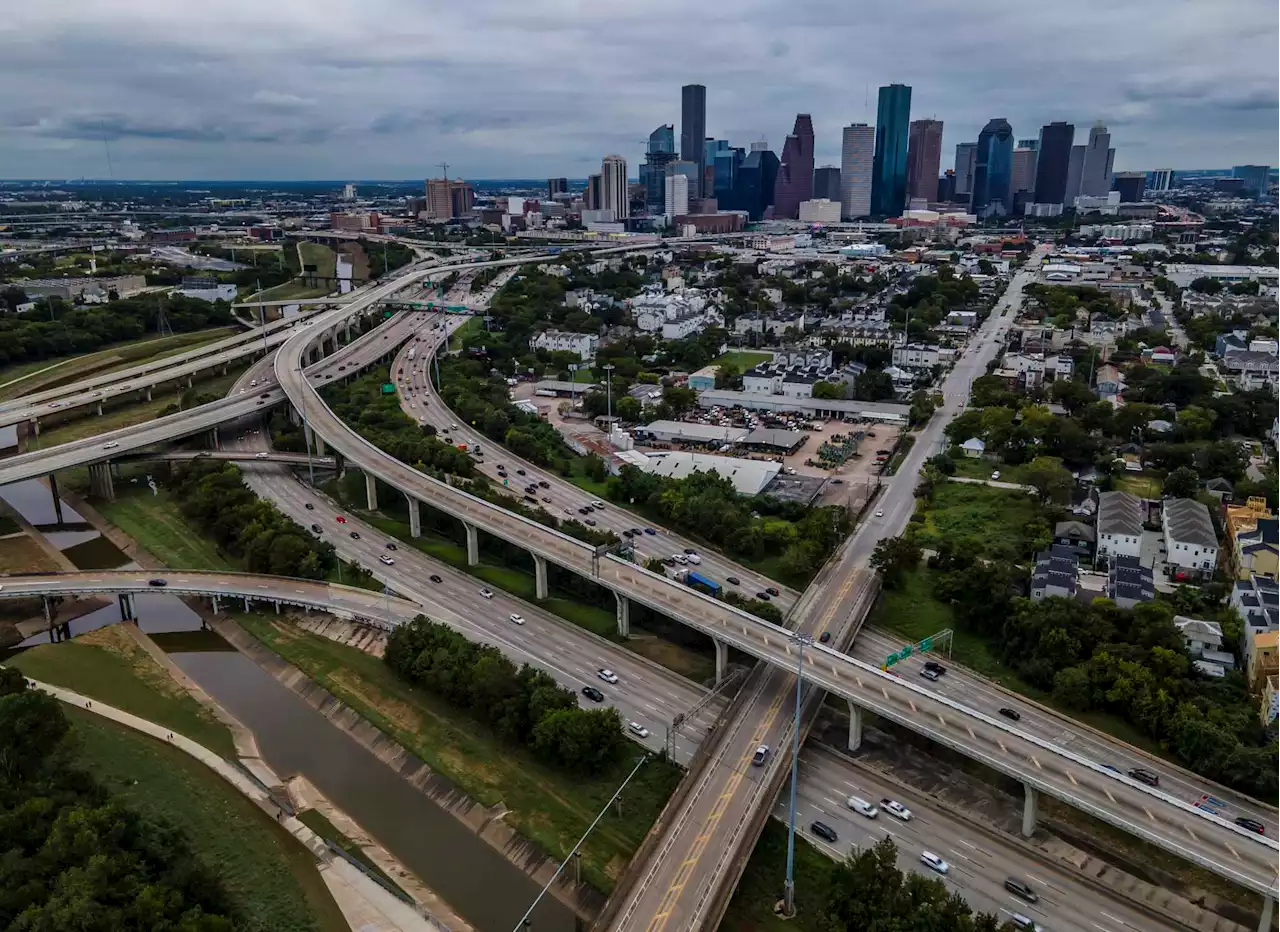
{"x":749,"y":477}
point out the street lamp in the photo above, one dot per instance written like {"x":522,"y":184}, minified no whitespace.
{"x":789,"y":889}
{"x":306,"y":434}
{"x":608,"y":383}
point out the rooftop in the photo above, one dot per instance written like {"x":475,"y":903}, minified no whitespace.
{"x":749,"y":477}
{"x":1188,"y":522}
{"x":1120,"y":513}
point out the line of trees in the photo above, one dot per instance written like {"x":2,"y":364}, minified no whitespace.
{"x":213,"y":495}
{"x":74,"y":857}
{"x":523,"y":705}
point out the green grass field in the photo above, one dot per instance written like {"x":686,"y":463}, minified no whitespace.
{"x":157,"y":524}
{"x":751,"y":909}
{"x":742,"y":359}
{"x":1143,"y":485}
{"x":322,"y":257}
{"x":984,"y":518}
{"x":271,"y":878}
{"x":982,"y":469}
{"x":550,"y":807}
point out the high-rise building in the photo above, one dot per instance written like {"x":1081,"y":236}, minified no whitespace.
{"x":1075,"y":172}
{"x":348,"y":192}
{"x":1256,"y":179}
{"x":1024,"y":170}
{"x":677,"y":196}
{"x":857,"y":160}
{"x":1130,"y":185}
{"x":924,"y":158}
{"x":1160,"y":180}
{"x":448,"y":198}
{"x":1053,"y":159}
{"x":795,"y":171}
{"x":889,"y":171}
{"x":693,"y":130}
{"x":947,"y":186}
{"x":757,"y":178}
{"x":1095,"y":173}
{"x":594,"y":196}
{"x":653,"y":172}
{"x":993,"y":170}
{"x":557,"y":186}
{"x":663,"y":140}
{"x":966,"y":158}
{"x":613,"y":180}
{"x":728,"y":163}
{"x":826,"y":183}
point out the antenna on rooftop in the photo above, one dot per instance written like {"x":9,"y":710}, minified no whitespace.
{"x":445,"y":168}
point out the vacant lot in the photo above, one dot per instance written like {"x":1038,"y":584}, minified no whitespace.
{"x":157,"y":524}
{"x":985,"y":521}
{"x":742,"y":359}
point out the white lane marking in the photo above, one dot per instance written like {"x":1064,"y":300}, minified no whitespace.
{"x":1109,"y":796}
{"x":1036,"y":762}
{"x":1233,"y":851}
{"x":1002,"y":747}
{"x":1071,"y":777}
{"x":1148,"y":812}
{"x":972,"y":736}
{"x":942,"y":721}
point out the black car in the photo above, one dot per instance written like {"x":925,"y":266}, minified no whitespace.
{"x":1011,"y":714}
{"x":157,"y":582}
{"x":502,"y":473}
{"x":593,"y":694}
{"x":309,"y":506}
{"x":935,"y":667}
{"x":531,"y":498}
{"x":826,"y":636}
{"x":1021,"y":888}
{"x":689,"y":550}
{"x":355,"y":535}
{"x":762,"y":596}
{"x":1252,"y":825}
{"x":265,"y":395}
{"x":732,"y":580}
{"x":1145,"y":776}
{"x":343,"y":368}
{"x":316,"y":528}
{"x":591,"y":522}
{"x":435,"y":579}
{"x":823,"y":831}
{"x":627,"y":534}
{"x":520,"y":472}
{"x":545,"y":484}
{"x":391,"y":546}
{"x":584,"y":511}
{"x":772,"y":590}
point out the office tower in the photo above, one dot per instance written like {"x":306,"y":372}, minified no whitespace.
{"x":795,"y":172}
{"x":1095,"y":172}
{"x":348,"y":192}
{"x":924,"y":158}
{"x":1075,"y":173}
{"x":660,"y":152}
{"x":826,"y":182}
{"x":889,"y":171}
{"x":1160,"y":180}
{"x":1256,"y":179}
{"x":677,"y":196}
{"x":947,"y":186}
{"x":711,"y":148}
{"x":557,"y":186}
{"x":993,"y":170}
{"x":663,"y":140}
{"x":693,"y":130}
{"x":857,"y":159}
{"x":1053,"y":159}
{"x":757,"y":179}
{"x":593,"y":198}
{"x":614,"y":197}
{"x":1024,"y":170}
{"x":1130,"y":185}
{"x":448,"y":198}
{"x":966,"y":156}
{"x":728,"y":163}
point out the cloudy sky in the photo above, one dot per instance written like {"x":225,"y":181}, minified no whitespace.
{"x":333,"y":89}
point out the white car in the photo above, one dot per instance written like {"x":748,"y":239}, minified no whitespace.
{"x":637,"y":729}
{"x":879,"y":514}
{"x":862,"y":806}
{"x":694,"y":559}
{"x":110,"y":445}
{"x":896,"y":808}
{"x":262,"y":456}
{"x":597,"y":504}
{"x":486,"y":593}
{"x":933,"y":862}
{"x":607,"y":675}
{"x":516,"y":619}
{"x":386,"y":559}
{"x":996,"y":474}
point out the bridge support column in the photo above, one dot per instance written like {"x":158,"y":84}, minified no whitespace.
{"x":1029,"y":807}
{"x":35,"y":426}
{"x":1268,"y":911}
{"x":624,"y":615}
{"x":214,"y":439}
{"x":294,"y":417}
{"x":57,"y":500}
{"x":100,"y":481}
{"x":415,"y":517}
{"x":473,"y":544}
{"x":855,"y":726}
{"x":722,"y":659}
{"x":319,"y":442}
{"x":246,"y":603}
{"x":371,"y":492}
{"x":189,"y":381}
{"x":128,"y":609}
{"x":539,"y":577}
{"x":277,"y":601}
{"x":99,"y":409}
{"x":215,"y":604}
{"x":148,"y":391}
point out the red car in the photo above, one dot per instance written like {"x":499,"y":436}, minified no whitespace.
{"x":341,"y":519}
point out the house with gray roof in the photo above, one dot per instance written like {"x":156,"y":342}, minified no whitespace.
{"x":1054,"y":575}
{"x":1129,"y":582}
{"x":1190,"y":542}
{"x":1119,"y":527}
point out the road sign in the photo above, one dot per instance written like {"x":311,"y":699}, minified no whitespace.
{"x":388,"y":388}
{"x":891,"y":660}
{"x":926,"y":645}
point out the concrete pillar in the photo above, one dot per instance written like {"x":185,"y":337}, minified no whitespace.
{"x":99,"y":409}
{"x":415,"y":517}
{"x":216,"y":436}
{"x":1029,"y":807}
{"x":35,"y":426}
{"x":855,"y":726}
{"x":473,"y":544}
{"x":319,"y":441}
{"x":57,"y":500}
{"x":189,"y":382}
{"x":722,"y":659}
{"x":277,"y":601}
{"x":371,"y":492}
{"x":246,"y":603}
{"x":539,"y":577}
{"x":100,"y":482}
{"x":148,"y":391}
{"x":624,"y":615}
{"x":215,"y":604}
{"x":48,"y":610}
{"x":294,"y":417}
{"x":1268,"y":911}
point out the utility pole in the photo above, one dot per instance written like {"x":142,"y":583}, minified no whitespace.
{"x":789,"y":889}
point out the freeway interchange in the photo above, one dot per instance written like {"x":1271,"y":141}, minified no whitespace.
{"x":1031,"y":758}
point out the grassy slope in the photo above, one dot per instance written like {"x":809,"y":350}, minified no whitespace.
{"x":155,"y":522}
{"x":315,"y":820}
{"x":23,"y":555}
{"x":548,"y":806}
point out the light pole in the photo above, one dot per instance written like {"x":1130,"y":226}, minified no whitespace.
{"x":573,"y":391}
{"x":306,"y":436}
{"x":608,"y":387}
{"x":789,"y":889}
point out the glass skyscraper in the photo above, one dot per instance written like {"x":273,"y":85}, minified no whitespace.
{"x":754,"y":186}
{"x":993,"y":170}
{"x":1053,"y":161}
{"x":795,"y":173}
{"x":889,"y":169}
{"x":693,"y":130}
{"x":661,"y":150}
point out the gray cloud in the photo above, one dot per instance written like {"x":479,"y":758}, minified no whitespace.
{"x":387,"y":88}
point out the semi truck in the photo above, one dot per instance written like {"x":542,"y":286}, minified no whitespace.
{"x":696,"y":580}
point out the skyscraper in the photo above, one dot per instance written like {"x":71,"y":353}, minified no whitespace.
{"x":1075,"y":171}
{"x":693,"y":130}
{"x":889,"y":171}
{"x":924,"y":158}
{"x":1161,"y":179}
{"x":993,"y":170}
{"x":966,"y":155}
{"x":753,"y":189}
{"x":677,"y":196}
{"x":662,"y":141}
{"x":826,"y":182}
{"x":613,"y":187}
{"x":557,"y":186}
{"x":857,"y":158}
{"x":1130,"y":185}
{"x":795,"y":172}
{"x":1024,"y":169}
{"x":1095,"y":173}
{"x":1052,"y":162}
{"x":727,"y":165}
{"x":593,"y":197}
{"x":661,"y":150}
{"x":1256,"y":178}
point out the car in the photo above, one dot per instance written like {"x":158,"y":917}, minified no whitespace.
{"x":1145,"y":776}
{"x":341,"y":519}
{"x":823,"y":831}
{"x":637,"y":729}
{"x":862,"y":807}
{"x":315,"y":528}
{"x":392,"y":546}
{"x":597,"y":504}
{"x":1112,"y":767}
{"x":627,"y":534}
{"x":694,"y":559}
{"x":515,"y":619}
{"x":435,"y":579}
{"x":157,"y":582}
{"x":607,"y":675}
{"x":930,"y":675}
{"x":762,"y":596}
{"x":584,"y":511}
{"x":1252,"y":825}
{"x":521,"y":472}
{"x":355,"y":535}
{"x":261,"y":456}
{"x":1024,"y":923}
{"x":546,"y":500}
{"x":252,"y":384}
{"x":1021,"y":888}
{"x":309,"y":506}
{"x":637,"y":531}
{"x":593,"y":694}
{"x":893,"y":807}
{"x":879,"y":514}
{"x":772,"y":590}
{"x":690,"y":551}
{"x":760,"y":756}
{"x":935,"y":667}
{"x":733,"y":580}
{"x":453,"y":426}
{"x":265,"y":395}
{"x":502,"y":473}
{"x":486,"y":593}
{"x":825,"y":638}
{"x":386,"y":560}
{"x":933,"y":862}
{"x":837,"y":482}
{"x":110,"y":445}
{"x":996,"y":474}
{"x":500,"y":466}
{"x":261,"y":403}
{"x":650,"y":531}
{"x":342,"y":368}
{"x":1012,"y":714}
{"x":530,"y":498}
{"x":591,"y":522}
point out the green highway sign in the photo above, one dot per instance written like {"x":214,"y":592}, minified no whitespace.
{"x":388,"y":388}
{"x":926,"y":645}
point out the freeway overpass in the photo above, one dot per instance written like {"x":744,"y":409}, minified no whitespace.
{"x":234,"y":456}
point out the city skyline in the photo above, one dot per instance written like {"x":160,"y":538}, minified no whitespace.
{"x":499,"y":91}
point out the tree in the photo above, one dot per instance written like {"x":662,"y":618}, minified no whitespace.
{"x":655,"y":565}
{"x":1183,"y":482}
{"x":893,"y":557}
{"x":828,"y":390}
{"x":1050,"y":480}
{"x":595,"y":468}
